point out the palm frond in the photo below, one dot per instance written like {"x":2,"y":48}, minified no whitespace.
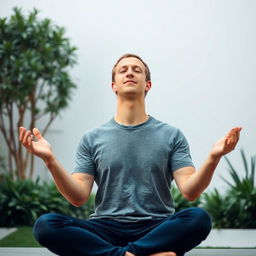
{"x":245,"y":163}
{"x":233,"y":173}
{"x":252,"y":175}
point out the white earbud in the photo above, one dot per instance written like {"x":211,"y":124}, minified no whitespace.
{"x":114,"y":86}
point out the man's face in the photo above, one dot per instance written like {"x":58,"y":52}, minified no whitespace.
{"x":130,"y":77}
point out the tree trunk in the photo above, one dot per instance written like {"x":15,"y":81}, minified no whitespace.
{"x":32,"y":125}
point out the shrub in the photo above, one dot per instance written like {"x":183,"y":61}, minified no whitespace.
{"x":241,"y":195}
{"x":215,"y":204}
{"x":19,"y":202}
{"x":237,"y":207}
{"x":23,"y":201}
{"x":181,"y":203}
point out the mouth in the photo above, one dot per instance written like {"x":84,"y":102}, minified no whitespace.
{"x":129,"y":81}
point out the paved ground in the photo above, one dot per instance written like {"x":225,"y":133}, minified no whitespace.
{"x":6,"y":231}
{"x":195,"y":252}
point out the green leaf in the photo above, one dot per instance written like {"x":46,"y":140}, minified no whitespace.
{"x":245,"y":163}
{"x":35,"y":56}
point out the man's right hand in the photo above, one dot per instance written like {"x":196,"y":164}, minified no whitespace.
{"x":76,"y":187}
{"x":40,"y":147}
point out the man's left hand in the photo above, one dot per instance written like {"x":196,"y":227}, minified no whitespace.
{"x":227,"y":143}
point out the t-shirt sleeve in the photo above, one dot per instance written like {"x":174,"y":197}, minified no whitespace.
{"x":180,"y":156}
{"x":83,"y":158}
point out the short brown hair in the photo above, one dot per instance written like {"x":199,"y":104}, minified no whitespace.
{"x":128,"y":55}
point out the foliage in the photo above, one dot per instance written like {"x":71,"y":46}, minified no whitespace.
{"x":215,"y":204}
{"x":35,"y":57}
{"x":241,"y":203}
{"x":23,"y":201}
{"x":18,"y":202}
{"x":237,"y":208}
{"x":84,"y":211}
{"x":2,"y":163}
{"x":181,"y":203}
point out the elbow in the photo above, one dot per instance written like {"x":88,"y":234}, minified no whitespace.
{"x":79,"y":202}
{"x":76,"y":204}
{"x":191,"y":197}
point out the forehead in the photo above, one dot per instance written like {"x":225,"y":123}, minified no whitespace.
{"x":130,"y":61}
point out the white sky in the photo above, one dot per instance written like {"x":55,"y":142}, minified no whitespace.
{"x":202,"y":57}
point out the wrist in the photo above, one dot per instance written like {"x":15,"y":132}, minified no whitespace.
{"x":49,"y":160}
{"x":214,"y":158}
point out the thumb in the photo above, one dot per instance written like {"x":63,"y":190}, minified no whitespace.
{"x":37,"y":133}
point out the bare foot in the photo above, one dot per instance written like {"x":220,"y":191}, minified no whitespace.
{"x":129,"y":254}
{"x":164,"y":254}
{"x":156,"y":254}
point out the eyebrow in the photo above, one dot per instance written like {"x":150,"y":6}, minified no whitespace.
{"x":134,"y":66}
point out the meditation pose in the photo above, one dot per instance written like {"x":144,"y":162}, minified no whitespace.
{"x":133,"y":159}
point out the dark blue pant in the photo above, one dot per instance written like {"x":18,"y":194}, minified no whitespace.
{"x":100,"y":237}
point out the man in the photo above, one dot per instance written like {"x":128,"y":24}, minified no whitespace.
{"x":133,"y":158}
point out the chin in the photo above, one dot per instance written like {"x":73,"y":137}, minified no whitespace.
{"x":131,"y":94}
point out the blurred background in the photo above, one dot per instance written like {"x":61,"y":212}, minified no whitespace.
{"x":202,"y":58}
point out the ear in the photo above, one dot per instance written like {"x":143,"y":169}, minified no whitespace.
{"x":113,"y":86}
{"x":148,"y":86}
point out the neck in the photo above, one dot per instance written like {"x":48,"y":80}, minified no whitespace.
{"x":131,"y":111}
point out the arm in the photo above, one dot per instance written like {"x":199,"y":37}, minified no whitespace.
{"x":76,"y":188}
{"x":192,"y":183}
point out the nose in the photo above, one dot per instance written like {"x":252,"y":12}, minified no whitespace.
{"x":129,"y":73}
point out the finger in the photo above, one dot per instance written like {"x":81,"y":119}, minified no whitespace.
{"x":226,"y":142}
{"x":37,"y":133}
{"x":238,"y":132}
{"x":229,"y":136}
{"x":22,"y":133}
{"x":30,"y":143}
{"x":25,"y":138}
{"x":235,"y":135}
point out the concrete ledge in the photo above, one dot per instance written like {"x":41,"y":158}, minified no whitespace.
{"x":234,"y":238}
{"x":5,"y":251}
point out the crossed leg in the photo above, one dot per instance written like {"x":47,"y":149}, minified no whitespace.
{"x":67,"y":236}
{"x":175,"y":236}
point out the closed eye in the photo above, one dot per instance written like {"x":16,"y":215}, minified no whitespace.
{"x":134,"y":68}
{"x":123,"y":70}
{"x":137,"y":69}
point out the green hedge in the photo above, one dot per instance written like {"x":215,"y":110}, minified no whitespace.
{"x":23,"y":201}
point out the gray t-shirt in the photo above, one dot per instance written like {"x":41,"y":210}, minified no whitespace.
{"x":133,"y":168}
